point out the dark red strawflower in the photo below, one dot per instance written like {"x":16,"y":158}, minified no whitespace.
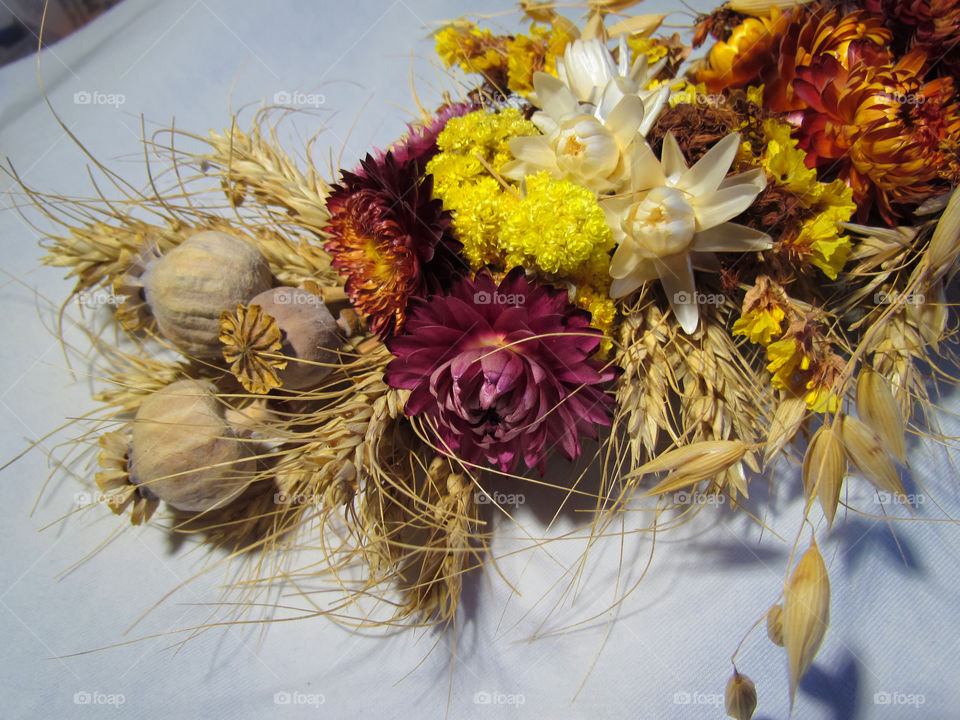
{"x":502,"y":372}
{"x":390,"y":238}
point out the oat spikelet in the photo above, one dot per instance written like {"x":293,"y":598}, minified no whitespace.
{"x":806,"y":614}
{"x":878,"y":409}
{"x":865,"y":450}
{"x":690,"y":464}
{"x":824,"y":467}
{"x":775,"y":625}
{"x":941,"y":254}
{"x":787,"y":419}
{"x":741,"y":697}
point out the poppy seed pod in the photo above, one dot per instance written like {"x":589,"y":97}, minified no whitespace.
{"x":185,"y":452}
{"x":311,"y":336}
{"x":188,"y":287}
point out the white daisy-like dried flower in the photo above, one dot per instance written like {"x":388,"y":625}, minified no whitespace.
{"x":674,"y":211}
{"x":595,"y":78}
{"x":594,"y":117}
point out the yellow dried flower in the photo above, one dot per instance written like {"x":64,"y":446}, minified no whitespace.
{"x":820,"y":238}
{"x":472,"y":49}
{"x":482,"y":133}
{"x":760,"y":325}
{"x":640,"y":45}
{"x":536,"y":53}
{"x":479,"y":209}
{"x":558,"y":228}
{"x":783,"y":357}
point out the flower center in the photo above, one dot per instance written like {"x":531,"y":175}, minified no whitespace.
{"x":661,"y":224}
{"x":586,"y":149}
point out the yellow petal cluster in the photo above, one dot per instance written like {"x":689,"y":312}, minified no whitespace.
{"x":516,"y":57}
{"x":538,"y":52}
{"x":470,"y":48}
{"x":555,"y":228}
{"x":558,"y":228}
{"x":820,"y":240}
{"x":760,"y":326}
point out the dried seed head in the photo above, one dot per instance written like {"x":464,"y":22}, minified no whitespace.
{"x":806,"y":614}
{"x":824,"y":467}
{"x":775,"y":625}
{"x":193,"y":283}
{"x":311,"y":337}
{"x":865,"y":449}
{"x":878,"y":409}
{"x":741,"y":697}
{"x":184,"y":451}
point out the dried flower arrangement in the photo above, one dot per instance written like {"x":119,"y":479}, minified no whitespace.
{"x":704,"y":265}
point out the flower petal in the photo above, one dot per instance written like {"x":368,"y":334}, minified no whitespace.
{"x":730,"y":237}
{"x":671,"y":157}
{"x":645,"y":170}
{"x":710,"y":170}
{"x":714,"y":208}
{"x":624,"y":120}
{"x":555,"y":98}
{"x":654,"y":101}
{"x":676,"y":275}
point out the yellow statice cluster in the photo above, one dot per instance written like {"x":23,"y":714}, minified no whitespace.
{"x":468,"y":145}
{"x":553,"y":227}
{"x":820,"y":240}
{"x":504,"y":59}
{"x":558,"y":229}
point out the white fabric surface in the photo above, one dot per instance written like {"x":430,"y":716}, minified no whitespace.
{"x":663,"y":654}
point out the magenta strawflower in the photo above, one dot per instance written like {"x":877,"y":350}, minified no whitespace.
{"x":502,"y":372}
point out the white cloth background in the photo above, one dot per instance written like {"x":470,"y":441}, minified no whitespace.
{"x":666,"y":655}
